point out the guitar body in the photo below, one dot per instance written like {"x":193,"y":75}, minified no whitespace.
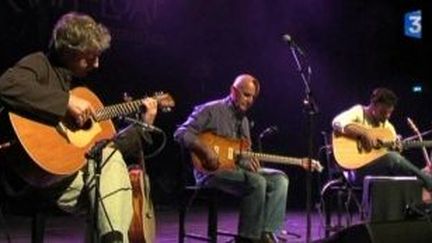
{"x":54,"y":153}
{"x":143,"y":225}
{"x":224,"y":147}
{"x":350,"y":154}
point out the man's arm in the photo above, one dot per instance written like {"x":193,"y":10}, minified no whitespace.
{"x":149,"y":115}
{"x":347,"y":118}
{"x":187,"y":135}
{"x":355,"y":130}
{"x":25,"y":88}
{"x":349,"y":124}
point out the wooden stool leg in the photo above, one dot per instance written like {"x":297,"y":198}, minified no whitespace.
{"x":4,"y":225}
{"x":182,"y":215}
{"x":212,"y":218}
{"x":38,"y":227}
{"x":327,"y":213}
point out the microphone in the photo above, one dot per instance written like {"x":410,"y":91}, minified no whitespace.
{"x":288,"y":39}
{"x":327,"y":144}
{"x":147,"y":127}
{"x":268,"y":131}
{"x":416,"y":131}
{"x":414,"y":128}
{"x":412,"y":125}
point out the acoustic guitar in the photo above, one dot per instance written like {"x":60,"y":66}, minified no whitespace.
{"x":351,"y":154}
{"x":230,"y":150}
{"x":53,"y":152}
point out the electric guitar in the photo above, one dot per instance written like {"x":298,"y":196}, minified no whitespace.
{"x":53,"y":152}
{"x":350,"y":153}
{"x":230,"y":150}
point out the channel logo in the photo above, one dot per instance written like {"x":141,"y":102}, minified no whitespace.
{"x":413,"y":24}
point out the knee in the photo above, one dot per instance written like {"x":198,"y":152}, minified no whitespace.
{"x":114,"y":162}
{"x":115,"y":171}
{"x":257,"y":182}
{"x":392,"y":155}
{"x":393,"y":158}
{"x":281,"y":182}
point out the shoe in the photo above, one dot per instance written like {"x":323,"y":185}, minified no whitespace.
{"x":269,"y":237}
{"x":112,"y":237}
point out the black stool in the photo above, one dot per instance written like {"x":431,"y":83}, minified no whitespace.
{"x":37,"y":214}
{"x":345,"y":194}
{"x":19,"y":199}
{"x":210,"y":195}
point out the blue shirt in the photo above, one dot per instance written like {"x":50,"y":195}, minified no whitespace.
{"x":218,"y":116}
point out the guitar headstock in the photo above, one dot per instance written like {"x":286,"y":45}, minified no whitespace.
{"x":165,"y":101}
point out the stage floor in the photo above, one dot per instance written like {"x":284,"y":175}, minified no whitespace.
{"x":66,"y":228}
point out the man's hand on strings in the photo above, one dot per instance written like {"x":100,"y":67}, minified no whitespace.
{"x":211,"y":160}
{"x":253,"y":165}
{"x":369,"y":141}
{"x":80,"y":109}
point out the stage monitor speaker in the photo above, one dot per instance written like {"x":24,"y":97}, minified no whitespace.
{"x":386,"y":197}
{"x":418,"y":231}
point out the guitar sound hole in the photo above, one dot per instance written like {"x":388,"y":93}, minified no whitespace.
{"x":87,"y":125}
{"x":73,"y":126}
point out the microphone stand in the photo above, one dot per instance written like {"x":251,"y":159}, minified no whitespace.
{"x":260,"y":149}
{"x":95,"y":154}
{"x":311,"y":109}
{"x":267,"y":131}
{"x":327,"y":150}
{"x":259,"y":142}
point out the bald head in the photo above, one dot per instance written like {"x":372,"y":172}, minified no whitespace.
{"x":245,"y":80}
{"x":244,"y":91}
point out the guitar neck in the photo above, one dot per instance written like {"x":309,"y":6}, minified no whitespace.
{"x":271,"y":158}
{"x":417,"y":144}
{"x":409,"y":144}
{"x":122,"y":109}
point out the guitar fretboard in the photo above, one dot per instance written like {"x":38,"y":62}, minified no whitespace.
{"x":271,"y":158}
{"x":122,"y":109}
{"x":409,"y":144}
{"x":416,"y":144}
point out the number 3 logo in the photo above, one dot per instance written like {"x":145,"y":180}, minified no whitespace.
{"x":412,"y":24}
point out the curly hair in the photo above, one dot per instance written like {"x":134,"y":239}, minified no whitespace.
{"x":79,"y":32}
{"x":383,"y":96}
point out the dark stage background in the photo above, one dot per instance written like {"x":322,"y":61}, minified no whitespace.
{"x":193,"y":49}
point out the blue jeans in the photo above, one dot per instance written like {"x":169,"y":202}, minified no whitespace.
{"x":263,"y":198}
{"x":392,"y":164}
